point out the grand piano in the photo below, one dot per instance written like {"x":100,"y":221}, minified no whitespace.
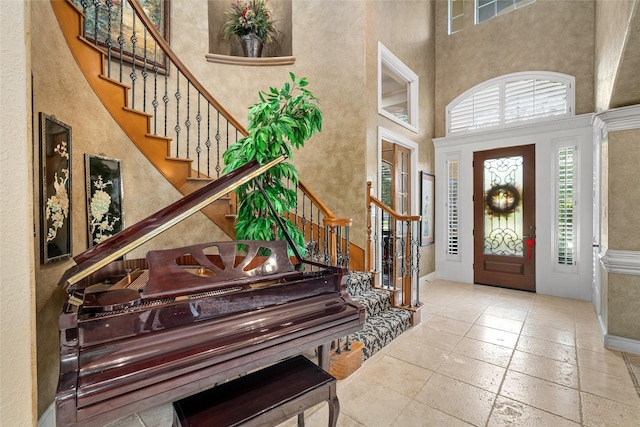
{"x":137,"y":333}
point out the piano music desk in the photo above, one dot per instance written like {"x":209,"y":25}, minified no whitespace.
{"x":263,"y":398}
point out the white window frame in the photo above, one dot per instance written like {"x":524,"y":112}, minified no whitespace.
{"x":405,"y":74}
{"x":516,"y":4}
{"x":500,"y":82}
{"x":453,"y":18}
{"x":558,"y":145}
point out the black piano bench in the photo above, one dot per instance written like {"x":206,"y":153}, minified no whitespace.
{"x":266,"y":397}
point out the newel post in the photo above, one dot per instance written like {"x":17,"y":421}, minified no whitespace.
{"x":332,"y":225}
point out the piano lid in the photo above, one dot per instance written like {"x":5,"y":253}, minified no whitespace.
{"x":130,"y":238}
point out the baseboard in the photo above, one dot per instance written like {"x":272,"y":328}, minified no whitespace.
{"x":622,"y":344}
{"x":48,"y":419}
{"x":614,"y":342}
{"x":428,"y":278}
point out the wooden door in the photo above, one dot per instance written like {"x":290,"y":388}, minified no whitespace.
{"x":504,"y":217}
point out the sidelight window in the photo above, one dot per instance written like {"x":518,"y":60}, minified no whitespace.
{"x":565,"y":227}
{"x":453,"y":220}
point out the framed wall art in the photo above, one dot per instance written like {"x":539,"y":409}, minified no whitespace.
{"x":427,"y":208}
{"x":55,"y":189}
{"x":113,"y":25}
{"x":105,"y":213}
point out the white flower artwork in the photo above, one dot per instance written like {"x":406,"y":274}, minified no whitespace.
{"x":55,"y":187}
{"x":101,"y":222}
{"x":57,"y":209}
{"x":104,"y":198}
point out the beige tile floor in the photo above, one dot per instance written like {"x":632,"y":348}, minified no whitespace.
{"x":487,"y":356}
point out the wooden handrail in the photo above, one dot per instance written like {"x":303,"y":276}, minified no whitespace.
{"x":395,"y":215}
{"x":337,"y":222}
{"x":181,"y":67}
{"x":371,"y":200}
{"x":316,"y":201}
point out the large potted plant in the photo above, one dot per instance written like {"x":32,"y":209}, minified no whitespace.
{"x":282,"y":121}
{"x":251,"y":22}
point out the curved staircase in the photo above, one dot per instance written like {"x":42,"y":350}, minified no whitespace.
{"x":115,"y":97}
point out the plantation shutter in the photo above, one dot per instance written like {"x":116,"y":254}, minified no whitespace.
{"x":510,"y":100}
{"x":565,"y":233}
{"x":479,"y":110}
{"x":452,"y":207}
{"x":531,"y":99}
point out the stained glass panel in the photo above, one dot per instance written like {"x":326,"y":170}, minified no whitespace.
{"x":503,"y":228}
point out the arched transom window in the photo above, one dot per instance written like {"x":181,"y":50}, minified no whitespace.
{"x":511,"y":99}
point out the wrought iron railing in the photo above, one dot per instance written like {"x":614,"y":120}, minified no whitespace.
{"x":393,"y":251}
{"x":182,"y":110}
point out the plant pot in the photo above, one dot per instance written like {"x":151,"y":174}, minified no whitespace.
{"x":251,"y":45}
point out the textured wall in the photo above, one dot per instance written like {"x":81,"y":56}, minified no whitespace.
{"x":623,"y":302}
{"x":17,"y":311}
{"x":547,"y":35}
{"x":612,"y":19}
{"x":624,"y":193}
{"x":624,"y":306}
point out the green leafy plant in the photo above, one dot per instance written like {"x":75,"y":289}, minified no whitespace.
{"x":282,"y":121}
{"x":250,"y":17}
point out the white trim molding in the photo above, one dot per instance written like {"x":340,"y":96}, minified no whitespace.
{"x":615,"y":342}
{"x":618,"y":119}
{"x":409,"y":77}
{"x":622,"y":344}
{"x":583,"y":120}
{"x":621,"y":262}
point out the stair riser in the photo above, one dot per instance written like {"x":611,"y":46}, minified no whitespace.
{"x":373,"y":302}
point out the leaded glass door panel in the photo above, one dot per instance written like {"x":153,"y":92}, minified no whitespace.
{"x":504,"y":217}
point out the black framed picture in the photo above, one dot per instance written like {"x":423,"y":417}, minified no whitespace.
{"x":105,"y":213}
{"x":427,"y":208}
{"x":55,"y":189}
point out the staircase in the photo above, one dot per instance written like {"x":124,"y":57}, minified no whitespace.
{"x":163,"y":146}
{"x":383,"y":322}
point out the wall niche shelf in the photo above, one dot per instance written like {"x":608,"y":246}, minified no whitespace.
{"x":256,"y":62}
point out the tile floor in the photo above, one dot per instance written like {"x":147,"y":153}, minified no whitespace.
{"x":486,"y":356}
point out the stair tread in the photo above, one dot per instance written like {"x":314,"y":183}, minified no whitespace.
{"x":378,"y":331}
{"x":383,"y":322}
{"x":374,"y":301}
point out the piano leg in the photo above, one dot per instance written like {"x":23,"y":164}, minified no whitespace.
{"x":323,"y":356}
{"x":334,"y":406}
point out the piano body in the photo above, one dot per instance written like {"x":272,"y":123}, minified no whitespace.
{"x":137,"y":333}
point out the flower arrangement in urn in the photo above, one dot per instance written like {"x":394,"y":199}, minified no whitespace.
{"x":251,"y":22}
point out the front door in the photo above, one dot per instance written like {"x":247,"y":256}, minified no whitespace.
{"x":504,"y":217}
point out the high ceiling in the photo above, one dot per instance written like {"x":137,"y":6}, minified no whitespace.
{"x":626,"y":89}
